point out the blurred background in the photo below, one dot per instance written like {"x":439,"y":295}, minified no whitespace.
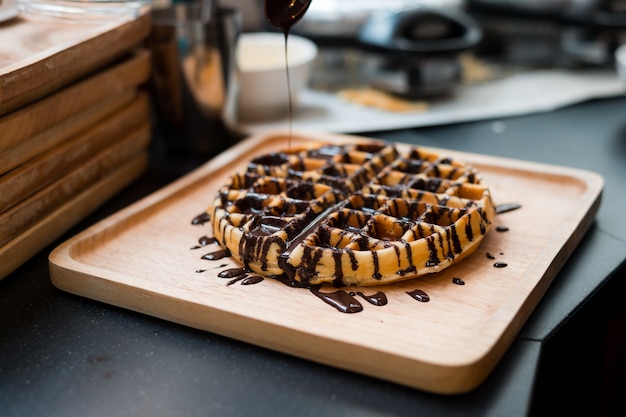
{"x":450,"y":60}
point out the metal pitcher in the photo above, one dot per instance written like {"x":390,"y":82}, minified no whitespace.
{"x":193,"y":81}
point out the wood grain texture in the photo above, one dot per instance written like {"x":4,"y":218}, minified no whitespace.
{"x":50,"y":121}
{"x":28,"y":149}
{"x":28,"y":212}
{"x":39,"y":57}
{"x":59,"y":220}
{"x":39,"y":172}
{"x":141,"y":259}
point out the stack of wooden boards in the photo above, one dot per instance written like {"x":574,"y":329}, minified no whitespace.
{"x":74,"y":125}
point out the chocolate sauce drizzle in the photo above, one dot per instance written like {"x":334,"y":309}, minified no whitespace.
{"x":343,"y":301}
{"x":284,"y":14}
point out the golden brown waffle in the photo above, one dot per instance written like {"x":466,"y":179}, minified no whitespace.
{"x":352,"y":214}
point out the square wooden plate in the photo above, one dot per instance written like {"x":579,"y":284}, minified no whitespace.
{"x":142,"y":259}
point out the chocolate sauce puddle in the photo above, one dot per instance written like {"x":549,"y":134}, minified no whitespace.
{"x":217,"y":255}
{"x":340,"y":299}
{"x":503,"y":208}
{"x":378,"y":299}
{"x":236,"y":279}
{"x":201,"y":219}
{"x":251,"y":280}
{"x":458,"y":281}
{"x":232,"y":273}
{"x":206,"y":240}
{"x":419,"y":295}
{"x":239,"y":274}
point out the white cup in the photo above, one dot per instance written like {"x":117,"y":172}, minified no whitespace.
{"x":262,"y":75}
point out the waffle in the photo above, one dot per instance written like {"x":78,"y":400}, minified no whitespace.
{"x":351,"y":214}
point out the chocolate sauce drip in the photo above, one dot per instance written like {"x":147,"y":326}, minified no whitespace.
{"x":236,"y":279}
{"x":456,"y":242}
{"x":503,"y":208}
{"x":206,"y":240}
{"x":201,"y":218}
{"x":251,"y":280}
{"x":419,"y":295}
{"x":214,"y":256}
{"x":433,"y":260}
{"x":468,"y":229}
{"x":411,"y":267}
{"x":269,"y":160}
{"x":285,"y":13}
{"x":232,"y":272}
{"x":252,"y":203}
{"x":199,"y":271}
{"x":376,"y":274}
{"x":490,"y":256}
{"x":458,"y":281}
{"x":500,"y":265}
{"x":338,"y":267}
{"x":194,"y":247}
{"x":353,"y":262}
{"x":378,"y":299}
{"x":483,"y":223}
{"x":284,"y":279}
{"x":502,"y":229}
{"x":312,"y":226}
{"x":341,"y":300}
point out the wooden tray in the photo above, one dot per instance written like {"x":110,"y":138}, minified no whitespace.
{"x":59,"y":220}
{"x":23,"y":215}
{"x":141,"y":259}
{"x":39,"y":172}
{"x":39,"y":57}
{"x":50,"y":121}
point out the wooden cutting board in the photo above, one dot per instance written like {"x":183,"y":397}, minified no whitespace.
{"x":23,"y":215}
{"x":50,"y":121}
{"x":39,"y":57}
{"x":60,"y":219}
{"x":39,"y":172}
{"x":142,"y":259}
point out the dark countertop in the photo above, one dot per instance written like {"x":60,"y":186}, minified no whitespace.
{"x":63,"y":355}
